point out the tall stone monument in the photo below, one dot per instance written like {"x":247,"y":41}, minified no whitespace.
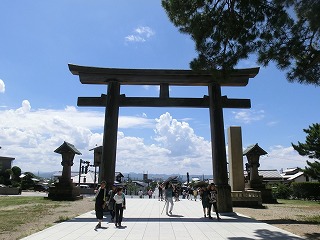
{"x":65,"y":189}
{"x":235,"y":159}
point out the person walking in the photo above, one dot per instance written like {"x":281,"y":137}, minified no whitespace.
{"x":206,"y":205}
{"x":160,"y":192}
{"x":213,"y":200}
{"x":150,"y":193}
{"x":120,"y":205}
{"x":100,"y":202}
{"x":140,"y":194}
{"x":168,"y":197}
{"x":111,"y":204}
{"x":195,"y":194}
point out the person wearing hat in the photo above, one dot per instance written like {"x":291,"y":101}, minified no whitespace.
{"x":100,"y":202}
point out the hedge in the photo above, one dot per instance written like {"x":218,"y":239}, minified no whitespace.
{"x":306,"y":190}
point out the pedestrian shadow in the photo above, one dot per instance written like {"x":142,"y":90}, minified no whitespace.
{"x":289,"y":221}
{"x":312,"y":235}
{"x":267,"y":234}
{"x":122,"y":227}
{"x":172,"y":218}
{"x":82,"y":220}
{"x":175,"y":215}
{"x":181,"y":218}
{"x":103,"y":228}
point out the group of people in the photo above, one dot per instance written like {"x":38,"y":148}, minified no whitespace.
{"x":115,"y":201}
{"x":208,"y":196}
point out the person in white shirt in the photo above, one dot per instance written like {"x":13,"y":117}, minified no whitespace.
{"x":120,"y":205}
{"x":140,"y":193}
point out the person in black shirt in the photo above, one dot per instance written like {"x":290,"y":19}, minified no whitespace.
{"x":160,"y":192}
{"x":100,"y":202}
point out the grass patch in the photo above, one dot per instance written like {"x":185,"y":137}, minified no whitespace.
{"x":12,"y":219}
{"x":313,"y":219}
{"x":16,"y":210}
{"x":6,"y":201}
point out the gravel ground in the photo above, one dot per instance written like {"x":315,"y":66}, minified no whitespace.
{"x":283,"y":216}
{"x":288,"y":217}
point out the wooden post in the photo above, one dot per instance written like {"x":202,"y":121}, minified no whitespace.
{"x":219,"y":158}
{"x":108,"y":163}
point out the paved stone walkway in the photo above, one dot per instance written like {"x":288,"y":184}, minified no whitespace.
{"x":144,"y":220}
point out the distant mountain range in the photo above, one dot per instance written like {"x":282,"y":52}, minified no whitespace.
{"x":139,"y":176}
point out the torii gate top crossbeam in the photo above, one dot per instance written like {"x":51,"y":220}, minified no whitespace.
{"x":95,"y":75}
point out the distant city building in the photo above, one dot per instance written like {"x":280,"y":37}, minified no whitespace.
{"x":88,"y":178}
{"x":295,"y":175}
{"x":268,"y":176}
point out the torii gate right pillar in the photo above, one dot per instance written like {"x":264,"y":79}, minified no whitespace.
{"x":219,"y":158}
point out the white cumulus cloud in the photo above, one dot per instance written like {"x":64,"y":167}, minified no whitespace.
{"x":141,"y":34}
{"x":281,"y":157}
{"x":2,"y":86}
{"x":248,"y":116}
{"x":31,"y":136}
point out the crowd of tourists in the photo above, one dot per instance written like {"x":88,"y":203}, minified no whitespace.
{"x":114,"y":200}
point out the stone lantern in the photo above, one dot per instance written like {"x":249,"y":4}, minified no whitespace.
{"x":97,"y":158}
{"x":253,"y":154}
{"x":97,"y":155}
{"x":65,"y":189}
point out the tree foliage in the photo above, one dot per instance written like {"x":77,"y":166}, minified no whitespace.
{"x":16,"y":172}
{"x":313,"y":170}
{"x":226,"y":31}
{"x":311,"y":148}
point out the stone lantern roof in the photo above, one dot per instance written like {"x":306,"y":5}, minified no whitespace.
{"x":254,"y":150}
{"x":67,"y":147}
{"x":97,"y":149}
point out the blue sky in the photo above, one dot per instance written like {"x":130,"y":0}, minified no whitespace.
{"x":38,"y":93}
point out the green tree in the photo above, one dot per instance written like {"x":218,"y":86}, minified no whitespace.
{"x":311,"y":148}
{"x":131,"y":188}
{"x":5,"y":177}
{"x":16,"y":172}
{"x":27,"y":182}
{"x":226,"y":31}
{"x":313,"y":170}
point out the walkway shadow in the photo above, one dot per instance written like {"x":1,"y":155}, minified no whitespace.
{"x":315,"y":236}
{"x":288,"y":221}
{"x":83,"y":220}
{"x":174,"y":215}
{"x":267,"y":234}
{"x":103,"y":228}
{"x":171,"y":218}
{"x":122,"y":227}
{"x":180,"y":218}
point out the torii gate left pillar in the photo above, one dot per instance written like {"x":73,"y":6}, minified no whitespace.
{"x":109,"y":148}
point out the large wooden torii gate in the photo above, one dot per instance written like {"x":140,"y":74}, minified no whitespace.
{"x":114,"y":78}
